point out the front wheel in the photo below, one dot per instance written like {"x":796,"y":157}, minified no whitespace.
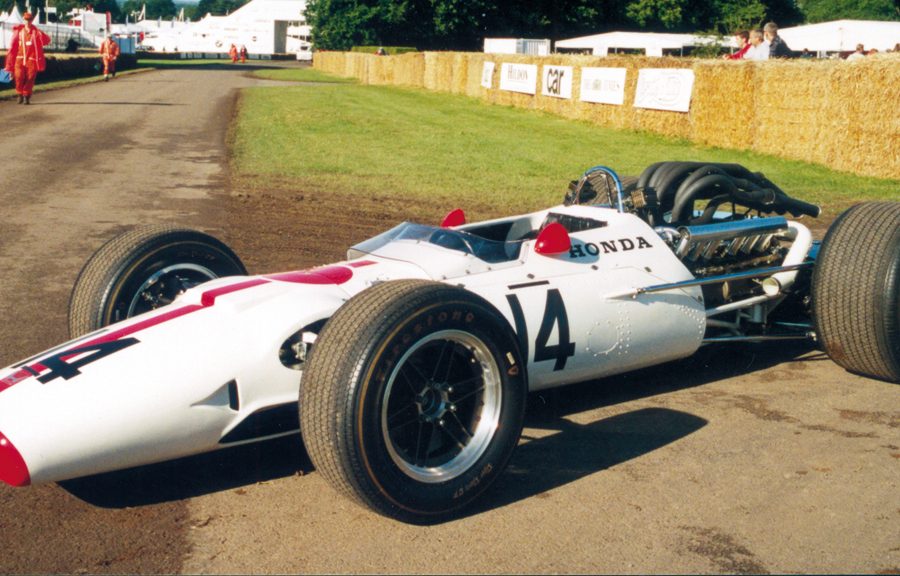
{"x":856,"y":290}
{"x":143,"y":269}
{"x":413,"y":399}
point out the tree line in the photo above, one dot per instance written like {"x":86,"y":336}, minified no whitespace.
{"x":463,"y":24}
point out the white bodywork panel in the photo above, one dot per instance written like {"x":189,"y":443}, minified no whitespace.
{"x":178,"y":380}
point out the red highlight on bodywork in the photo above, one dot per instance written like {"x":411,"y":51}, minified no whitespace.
{"x":209,"y":297}
{"x":454,"y":218}
{"x":553,"y":240}
{"x":13,"y":470}
{"x":326,"y":275}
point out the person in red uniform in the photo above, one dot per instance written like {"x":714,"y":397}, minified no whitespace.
{"x":26,"y":57}
{"x":233,"y":53}
{"x":109,"y":51}
{"x":243,"y":54}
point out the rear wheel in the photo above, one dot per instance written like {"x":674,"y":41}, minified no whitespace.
{"x":413,"y":399}
{"x":856,"y":290}
{"x":144,"y":269}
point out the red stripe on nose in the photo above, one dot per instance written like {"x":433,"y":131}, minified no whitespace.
{"x":13,"y":470}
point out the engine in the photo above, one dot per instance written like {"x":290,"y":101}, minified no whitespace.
{"x":719,"y":219}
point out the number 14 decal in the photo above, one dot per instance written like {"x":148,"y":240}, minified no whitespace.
{"x":554,"y":314}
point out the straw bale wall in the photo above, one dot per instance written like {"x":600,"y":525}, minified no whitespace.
{"x":845,"y":115}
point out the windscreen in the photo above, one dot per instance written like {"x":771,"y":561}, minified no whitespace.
{"x":490,"y":251}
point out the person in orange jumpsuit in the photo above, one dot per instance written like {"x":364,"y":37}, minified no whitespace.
{"x":109,"y":51}
{"x":26,"y":57}
{"x":233,"y":53}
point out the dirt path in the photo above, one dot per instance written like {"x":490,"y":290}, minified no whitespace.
{"x":757,"y":459}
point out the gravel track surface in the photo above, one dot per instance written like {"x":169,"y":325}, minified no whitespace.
{"x":740,"y":460}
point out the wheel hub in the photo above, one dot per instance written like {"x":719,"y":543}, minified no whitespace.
{"x":433,"y":402}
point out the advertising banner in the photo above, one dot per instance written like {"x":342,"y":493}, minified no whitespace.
{"x":664,"y":89}
{"x":518,"y":78}
{"x":557,"y":81}
{"x":603,"y":85}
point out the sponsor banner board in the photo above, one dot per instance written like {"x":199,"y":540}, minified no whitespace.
{"x":603,"y":85}
{"x":557,"y":81}
{"x":664,"y":89}
{"x":518,"y":77}
{"x":487,"y":75}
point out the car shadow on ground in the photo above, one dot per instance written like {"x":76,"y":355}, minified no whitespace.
{"x":539,"y":465}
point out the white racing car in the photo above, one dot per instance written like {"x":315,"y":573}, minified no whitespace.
{"x":407,"y":366}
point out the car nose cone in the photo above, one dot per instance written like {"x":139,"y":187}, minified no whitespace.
{"x":13,"y":470}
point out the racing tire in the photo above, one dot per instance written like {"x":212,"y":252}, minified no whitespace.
{"x":143,"y":269}
{"x":856,"y":290}
{"x":413,"y":399}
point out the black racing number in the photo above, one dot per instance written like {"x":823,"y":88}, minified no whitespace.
{"x":60,"y":368}
{"x":554,"y":315}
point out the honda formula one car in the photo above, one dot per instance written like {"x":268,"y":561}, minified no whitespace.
{"x":407,"y":366}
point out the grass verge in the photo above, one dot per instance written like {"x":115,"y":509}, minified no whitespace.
{"x":413,"y":144}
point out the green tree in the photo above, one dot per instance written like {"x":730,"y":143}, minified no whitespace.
{"x":826,"y":10}
{"x":667,"y":14}
{"x":342,"y":24}
{"x":734,"y":15}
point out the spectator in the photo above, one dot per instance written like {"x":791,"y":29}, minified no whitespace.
{"x":859,"y":54}
{"x":233,"y":52}
{"x":109,"y":51}
{"x":25,"y":57}
{"x":805,"y":53}
{"x":778,"y":48}
{"x":758,"y":50}
{"x":380,"y":51}
{"x":71,"y":45}
{"x":742,"y":37}
{"x":243,"y":53}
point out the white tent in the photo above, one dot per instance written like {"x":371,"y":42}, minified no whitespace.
{"x":842,"y":35}
{"x":7,"y":23}
{"x":13,"y":17}
{"x":263,"y":26}
{"x":651,"y":42}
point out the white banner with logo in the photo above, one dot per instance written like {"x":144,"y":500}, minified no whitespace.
{"x":664,"y":89}
{"x":487,"y":75}
{"x":557,"y":81}
{"x":518,"y":78}
{"x":603,"y":85}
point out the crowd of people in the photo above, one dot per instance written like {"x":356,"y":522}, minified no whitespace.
{"x":760,"y":44}
{"x":766,"y":44}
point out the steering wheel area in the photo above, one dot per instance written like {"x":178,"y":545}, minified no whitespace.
{"x":452,"y":240}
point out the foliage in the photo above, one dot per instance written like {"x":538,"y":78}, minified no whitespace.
{"x":155,"y":8}
{"x":463,"y":24}
{"x":217,"y":7}
{"x":826,"y":10}
{"x":63,"y":7}
{"x":666,"y":14}
{"x":740,"y":15}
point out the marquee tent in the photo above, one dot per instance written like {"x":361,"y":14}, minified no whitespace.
{"x":842,"y":35}
{"x":651,"y":42}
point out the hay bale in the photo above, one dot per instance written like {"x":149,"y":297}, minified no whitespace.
{"x":723,"y":103}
